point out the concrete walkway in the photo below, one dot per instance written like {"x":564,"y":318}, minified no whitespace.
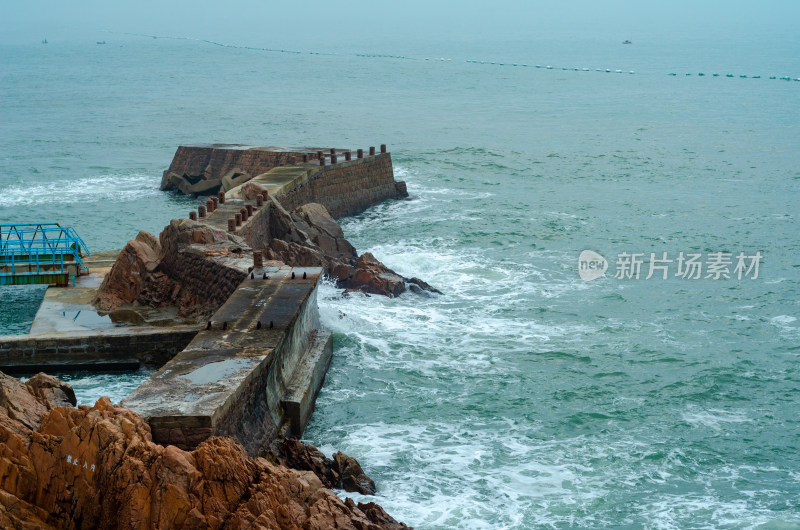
{"x":253,"y":373}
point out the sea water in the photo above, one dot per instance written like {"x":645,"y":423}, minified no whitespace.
{"x":523,"y":396}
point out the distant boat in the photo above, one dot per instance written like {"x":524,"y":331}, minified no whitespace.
{"x":626,"y":41}
{"x":101,"y":42}
{"x":44,"y":41}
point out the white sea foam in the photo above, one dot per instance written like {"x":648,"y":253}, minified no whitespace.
{"x":787,"y":326}
{"x":102,"y":188}
{"x":468,"y":475}
{"x":458,"y":460}
{"x":713,"y":418}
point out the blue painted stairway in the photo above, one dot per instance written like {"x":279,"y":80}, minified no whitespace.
{"x":40,"y":253}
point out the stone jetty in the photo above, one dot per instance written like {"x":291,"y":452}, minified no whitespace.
{"x":252,"y":373}
{"x":244,"y":354}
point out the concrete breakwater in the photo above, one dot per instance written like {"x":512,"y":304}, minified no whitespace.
{"x":343,"y":183}
{"x":225,"y":303}
{"x":252,"y":374}
{"x":249,"y":355}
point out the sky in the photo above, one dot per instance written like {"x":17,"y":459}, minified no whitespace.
{"x":265,"y":23}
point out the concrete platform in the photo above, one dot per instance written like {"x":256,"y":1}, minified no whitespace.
{"x":281,"y":180}
{"x":99,"y":350}
{"x":69,"y":334}
{"x":253,"y":373}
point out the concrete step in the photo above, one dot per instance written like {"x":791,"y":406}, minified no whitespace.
{"x":231,"y":378}
{"x":301,"y":392}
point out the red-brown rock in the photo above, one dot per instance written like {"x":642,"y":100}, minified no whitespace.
{"x":126,"y":279}
{"x":324,"y":231}
{"x":96,"y":467}
{"x":341,"y":472}
{"x":294,"y":254}
{"x":150,"y":240}
{"x":372,"y":276}
{"x":351,"y":476}
{"x":22,"y":404}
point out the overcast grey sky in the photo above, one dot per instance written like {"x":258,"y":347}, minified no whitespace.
{"x":261,"y":22}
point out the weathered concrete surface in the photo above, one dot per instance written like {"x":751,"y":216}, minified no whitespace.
{"x":263,"y":348}
{"x":277,"y":181}
{"x":124,"y":348}
{"x":303,"y":387}
{"x":68,"y":333}
{"x":205,"y":168}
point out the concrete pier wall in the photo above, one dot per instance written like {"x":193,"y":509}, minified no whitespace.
{"x":344,"y":183}
{"x":209,"y":163}
{"x":252,"y":375}
{"x":293,"y":346}
{"x":348,"y":187}
{"x":124,"y":348}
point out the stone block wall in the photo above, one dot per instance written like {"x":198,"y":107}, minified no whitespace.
{"x":349,"y":187}
{"x":214,"y":161}
{"x":203,"y":269}
{"x":210,"y":281}
{"x":96,"y":351}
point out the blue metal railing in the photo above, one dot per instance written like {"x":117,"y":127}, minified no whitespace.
{"x":41,"y":249}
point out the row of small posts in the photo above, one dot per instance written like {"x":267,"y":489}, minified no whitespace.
{"x":241,"y":217}
{"x":247,"y":210}
{"x":347,"y":154}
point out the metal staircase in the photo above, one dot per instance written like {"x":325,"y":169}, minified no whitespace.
{"x":40,"y":253}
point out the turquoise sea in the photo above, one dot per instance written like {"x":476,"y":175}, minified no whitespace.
{"x":524,"y":397}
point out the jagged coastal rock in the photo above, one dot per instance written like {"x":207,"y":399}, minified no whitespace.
{"x":97,"y":467}
{"x":186,"y":265}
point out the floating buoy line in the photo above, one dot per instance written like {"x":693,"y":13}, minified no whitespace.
{"x":550,"y":67}
{"x":450,"y":60}
{"x":741,"y":76}
{"x":618,"y":71}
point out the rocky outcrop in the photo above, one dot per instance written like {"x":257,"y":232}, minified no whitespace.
{"x":22,"y":404}
{"x":188,"y":265}
{"x":318,"y":241}
{"x":150,"y":240}
{"x":372,"y":276}
{"x":96,"y":467}
{"x":340,"y":472}
{"x":127,"y":277}
{"x":323,"y":231}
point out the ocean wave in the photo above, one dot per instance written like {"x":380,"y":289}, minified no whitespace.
{"x":101,"y":188}
{"x":525,"y":397}
{"x":787,"y":326}
{"x":478,"y":473}
{"x":714,"y":419}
